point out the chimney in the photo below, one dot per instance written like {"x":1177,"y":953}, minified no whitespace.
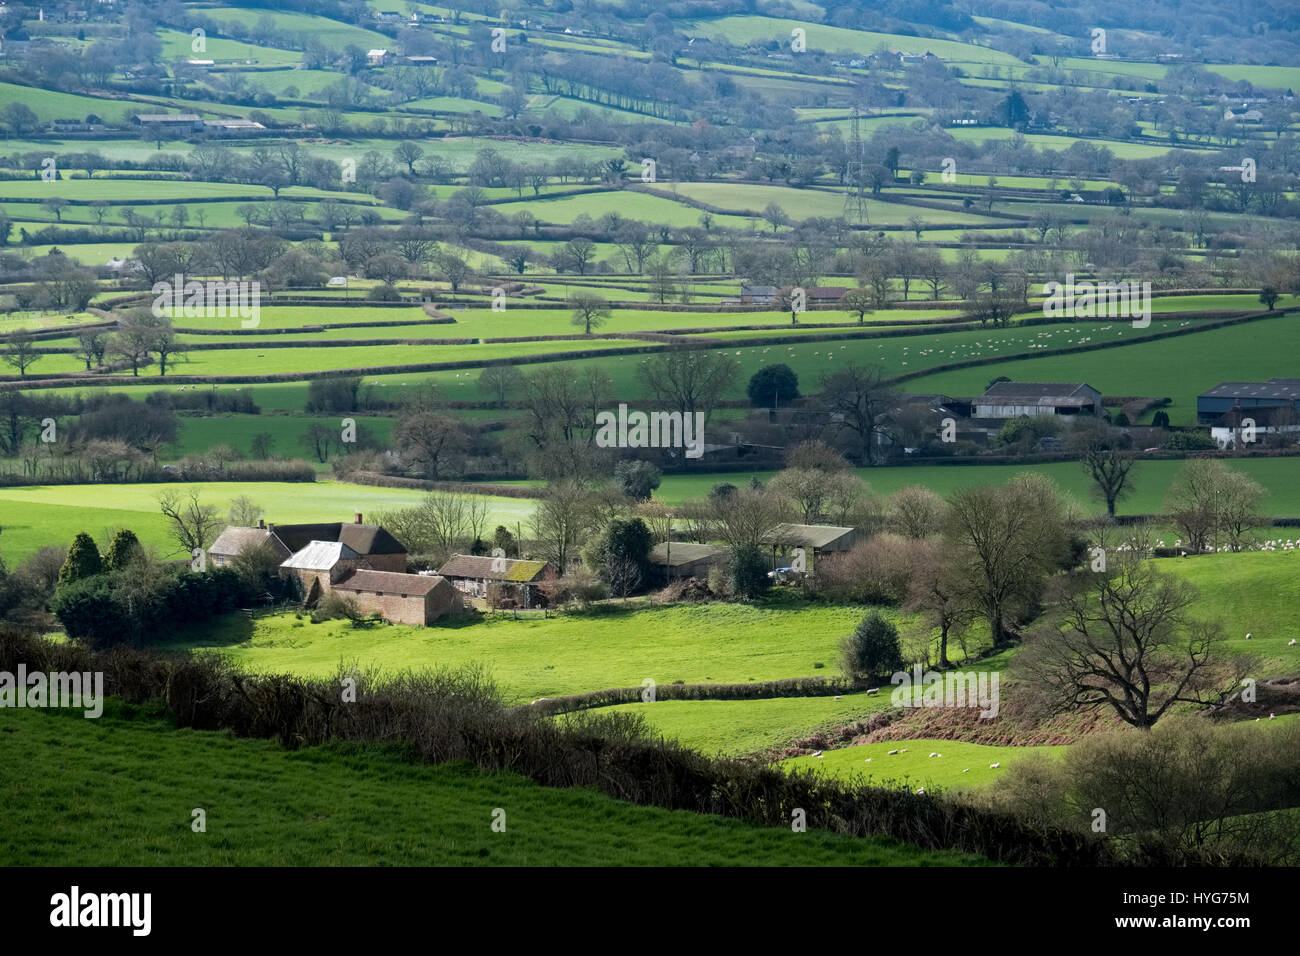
{"x":357,"y":520}
{"x":271,"y":526}
{"x":261,"y":523}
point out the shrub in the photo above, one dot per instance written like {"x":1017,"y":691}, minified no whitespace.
{"x":335,"y":606}
{"x":877,"y":571}
{"x":83,"y":560}
{"x":747,"y":571}
{"x":123,"y":551}
{"x":872,"y":648}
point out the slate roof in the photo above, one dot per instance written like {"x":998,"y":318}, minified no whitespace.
{"x":682,"y":552}
{"x":481,"y":568}
{"x":1282,"y":389}
{"x":234,"y":540}
{"x":806,"y":535}
{"x":362,"y":538}
{"x":390,"y":582}
{"x":1039,"y":393}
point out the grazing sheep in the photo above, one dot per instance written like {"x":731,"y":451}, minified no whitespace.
{"x":920,"y":791}
{"x":934,"y":754}
{"x":873,"y":691}
{"x":868,"y":760}
{"x":1272,"y":716}
{"x":994,"y":766}
{"x":967,"y":770}
{"x":837,"y":696}
{"x":1248,"y":636}
{"x":904,"y":750}
{"x":1291,"y":643}
{"x":892,"y":752}
{"x":817,"y":753}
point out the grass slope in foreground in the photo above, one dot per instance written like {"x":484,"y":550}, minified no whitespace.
{"x":120,"y":790}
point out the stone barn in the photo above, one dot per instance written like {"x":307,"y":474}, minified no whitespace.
{"x":418,"y":599}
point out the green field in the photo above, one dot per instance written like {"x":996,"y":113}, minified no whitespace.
{"x":53,"y":514}
{"x":1179,"y":368}
{"x":119,"y":791}
{"x":959,"y":766}
{"x":710,"y":643}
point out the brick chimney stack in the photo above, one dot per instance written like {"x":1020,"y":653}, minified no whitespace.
{"x":358,"y":518}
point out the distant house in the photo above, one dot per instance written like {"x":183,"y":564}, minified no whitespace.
{"x":419,"y":60}
{"x":1242,"y":116}
{"x":1242,"y":427}
{"x":682,"y":559}
{"x":519,"y":580}
{"x":1227,"y":396}
{"x":418,"y":599}
{"x":826,"y":293}
{"x":378,"y":57}
{"x":758,"y":294}
{"x":172,"y":122}
{"x":235,"y":540}
{"x":379,"y":549}
{"x":1013,"y":399}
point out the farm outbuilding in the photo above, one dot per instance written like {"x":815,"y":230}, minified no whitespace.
{"x":418,"y":599}
{"x":682,"y":559}
{"x":814,"y":539}
{"x":518,"y":580}
{"x":1013,"y":399}
{"x":1226,"y":396}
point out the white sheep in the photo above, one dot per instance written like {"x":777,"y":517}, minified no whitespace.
{"x":934,"y":754}
{"x":994,"y":766}
{"x":1291,"y":643}
{"x":817,"y":753}
{"x":872,"y":692}
{"x":967,"y":770}
{"x":892,"y":752}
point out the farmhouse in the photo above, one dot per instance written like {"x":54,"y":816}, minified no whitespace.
{"x":1275,"y":393}
{"x":1013,"y":399}
{"x":378,"y":57}
{"x":382,"y":552}
{"x":682,"y":559}
{"x":518,"y":580}
{"x":418,"y":599}
{"x":1240,"y":426}
{"x":234,"y":540}
{"x":758,"y":294}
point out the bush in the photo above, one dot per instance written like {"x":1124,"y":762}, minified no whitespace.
{"x":83,"y":560}
{"x":877,"y":571}
{"x":872,"y":648}
{"x":747,"y":571}
{"x":1191,"y":441}
{"x":636,"y":478}
{"x":334,"y":606}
